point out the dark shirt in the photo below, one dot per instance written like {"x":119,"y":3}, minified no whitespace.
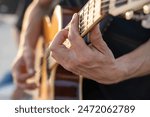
{"x":122,"y":37}
{"x":20,"y":12}
{"x":73,"y":3}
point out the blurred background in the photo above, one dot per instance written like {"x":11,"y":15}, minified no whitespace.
{"x":8,"y":48}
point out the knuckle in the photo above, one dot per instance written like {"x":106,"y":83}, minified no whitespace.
{"x":73,"y":35}
{"x":61,"y":32}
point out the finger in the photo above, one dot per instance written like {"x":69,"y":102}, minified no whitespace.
{"x":27,"y":86}
{"x":19,"y":72}
{"x":58,"y":51}
{"x":22,"y":77}
{"x":74,"y":37}
{"x":59,"y":39}
{"x":97,"y":40}
{"x":61,"y":55}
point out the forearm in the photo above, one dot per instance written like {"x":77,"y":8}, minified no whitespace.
{"x":136,"y":63}
{"x":32,"y":24}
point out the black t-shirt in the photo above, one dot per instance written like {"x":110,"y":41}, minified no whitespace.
{"x":73,"y":3}
{"x":122,"y":37}
{"x":20,"y":12}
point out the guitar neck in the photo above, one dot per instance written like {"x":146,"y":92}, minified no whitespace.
{"x":95,"y":10}
{"x":91,"y":14}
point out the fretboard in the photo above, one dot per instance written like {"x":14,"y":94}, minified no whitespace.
{"x":95,"y":10}
{"x":91,"y":14}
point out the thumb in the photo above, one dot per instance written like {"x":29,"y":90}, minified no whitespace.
{"x":97,"y":40}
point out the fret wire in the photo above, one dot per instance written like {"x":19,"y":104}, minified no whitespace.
{"x":117,"y":2}
{"x":86,"y":15}
{"x":114,"y":1}
{"x":83,"y":25}
{"x":91,"y":22}
{"x":106,"y":5}
{"x":103,"y":1}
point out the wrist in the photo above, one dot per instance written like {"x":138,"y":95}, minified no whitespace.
{"x":121,"y":70}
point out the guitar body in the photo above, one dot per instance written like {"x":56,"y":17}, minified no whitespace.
{"x":56,"y":82}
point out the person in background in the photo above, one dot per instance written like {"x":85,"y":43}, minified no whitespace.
{"x":7,"y":79}
{"x":116,"y":64}
{"x":23,"y":5}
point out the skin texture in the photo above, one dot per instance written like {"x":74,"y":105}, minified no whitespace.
{"x":23,"y":65}
{"x":95,"y":61}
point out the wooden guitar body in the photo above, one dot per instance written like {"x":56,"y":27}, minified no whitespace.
{"x":56,"y":82}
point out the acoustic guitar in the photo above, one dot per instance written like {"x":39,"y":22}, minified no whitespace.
{"x":56,"y":82}
{"x":53,"y":79}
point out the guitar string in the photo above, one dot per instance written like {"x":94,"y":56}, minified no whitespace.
{"x":82,"y":24}
{"x":104,"y":11}
{"x":86,"y":11}
{"x":88,"y":7}
{"x":112,"y":3}
{"x":104,"y":5}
